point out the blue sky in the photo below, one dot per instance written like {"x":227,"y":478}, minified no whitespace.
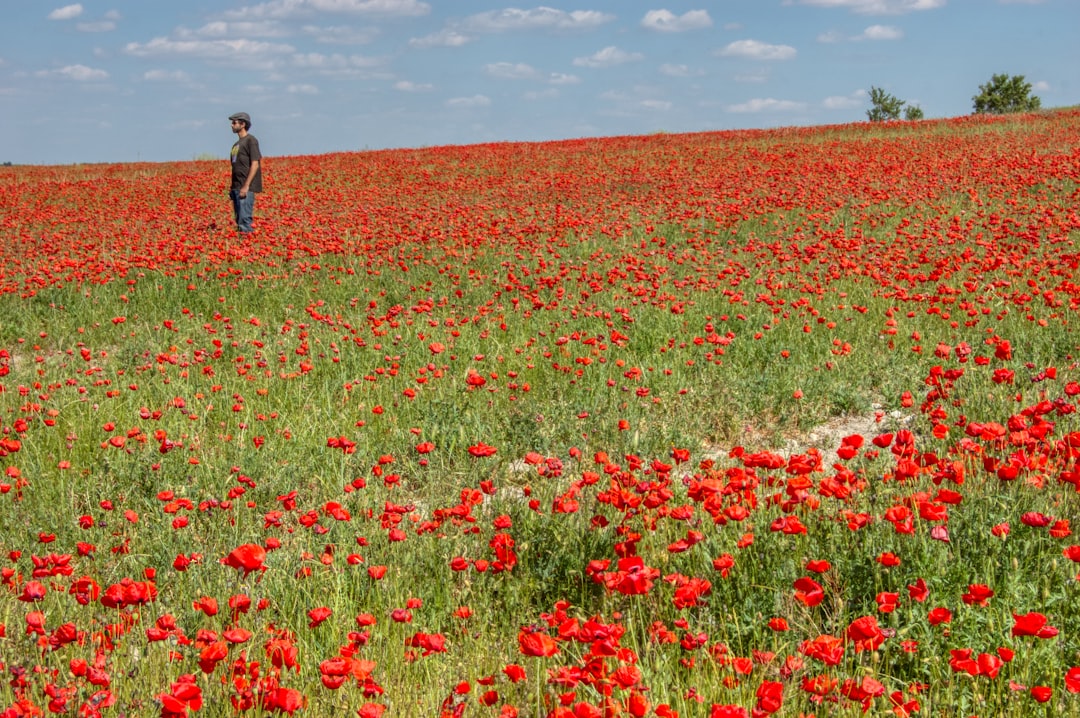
{"x":128,"y":80}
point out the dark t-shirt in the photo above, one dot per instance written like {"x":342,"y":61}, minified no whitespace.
{"x":244,"y":152}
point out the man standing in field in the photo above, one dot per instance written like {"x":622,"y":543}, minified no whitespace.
{"x":246,"y":171}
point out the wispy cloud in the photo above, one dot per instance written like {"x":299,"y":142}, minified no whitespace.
{"x":407,"y":86}
{"x":447,"y":37}
{"x":67,"y":12}
{"x":245,"y":52}
{"x":523,"y":71}
{"x":845,"y":102}
{"x":96,"y":26}
{"x":221,"y":28}
{"x":674,"y":70}
{"x":874,"y":7}
{"x":667,"y":21}
{"x":608,"y":57}
{"x":512,"y":71}
{"x":498,"y":21}
{"x":340,"y":34}
{"x":284,"y":9}
{"x":79,"y":73}
{"x":766,"y":104}
{"x":880,"y":32}
{"x":537,"y":18}
{"x":757,"y":50}
{"x":335,"y":63}
{"x":166,"y":76}
{"x":659,"y":105}
{"x":469,"y":102}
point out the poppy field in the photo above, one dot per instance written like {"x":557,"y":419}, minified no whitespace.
{"x":724,"y":424}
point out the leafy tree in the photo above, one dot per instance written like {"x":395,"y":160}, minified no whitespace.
{"x":1005,"y":94}
{"x":912,"y":113}
{"x":884,"y":106}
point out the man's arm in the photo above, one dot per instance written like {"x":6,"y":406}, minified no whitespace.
{"x":250,"y":176}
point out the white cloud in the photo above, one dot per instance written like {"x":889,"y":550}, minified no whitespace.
{"x":537,"y":18}
{"x":666,"y":21}
{"x":80,"y":73}
{"x":302,"y":89}
{"x":241,"y":50}
{"x":280,"y":9}
{"x":549,"y":94}
{"x":672,"y":70}
{"x":757,"y":50}
{"x":67,"y":12}
{"x":753,"y":78}
{"x":880,"y":32}
{"x":1041,"y":86}
{"x":662,"y":105}
{"x":561,"y":78}
{"x":608,"y":57}
{"x":830,"y":36}
{"x":845,"y":102}
{"x":523,"y":71}
{"x":512,"y":71}
{"x":166,"y":76}
{"x":767,"y":104}
{"x":220,"y":28}
{"x":340,"y":34}
{"x":875,"y":7}
{"x":96,"y":26}
{"x":406,"y":86}
{"x":467,"y":102}
{"x":497,"y":21}
{"x":335,"y":62}
{"x":447,"y":37}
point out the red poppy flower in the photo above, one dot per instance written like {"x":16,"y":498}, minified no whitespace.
{"x":1072,"y":680}
{"x":481,"y":450}
{"x":286,"y":700}
{"x":185,"y":695}
{"x":1042,"y":694}
{"x":886,"y":601}
{"x":537,"y":644}
{"x":770,"y":697}
{"x":727,"y":711}
{"x":865,"y":633}
{"x":516,"y":673}
{"x":808,"y":591}
{"x":939,"y":615}
{"x":978,"y":595}
{"x":918,"y":591}
{"x":825,"y":648}
{"x":247,"y":558}
{"x":1032,"y":624}
{"x":989,"y":665}
{"x":318,"y":615}
{"x":778,"y":624}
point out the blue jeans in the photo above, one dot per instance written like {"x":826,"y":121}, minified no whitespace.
{"x":243,"y":209}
